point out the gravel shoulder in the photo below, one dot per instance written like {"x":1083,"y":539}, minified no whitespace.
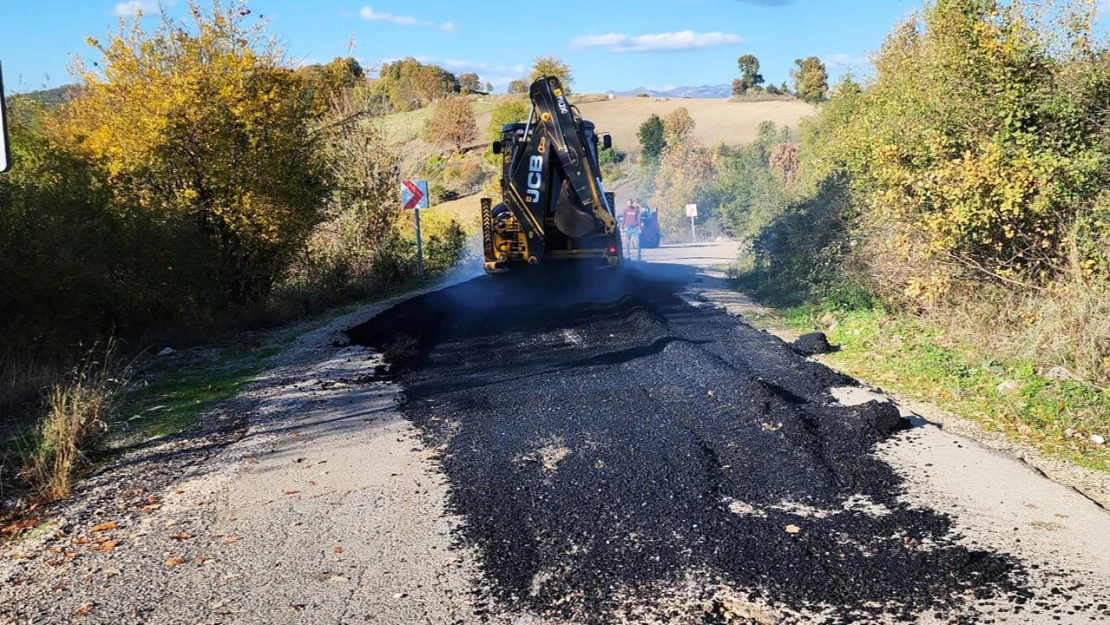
{"x":1002,"y":496}
{"x":307,"y":499}
{"x":713,"y":289}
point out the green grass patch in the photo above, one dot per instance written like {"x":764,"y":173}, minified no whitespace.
{"x":903,"y":353}
{"x":176,"y":395}
{"x":176,"y":391}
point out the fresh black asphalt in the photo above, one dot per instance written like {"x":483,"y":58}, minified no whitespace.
{"x":604,"y":439}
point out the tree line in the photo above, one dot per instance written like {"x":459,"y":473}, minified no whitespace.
{"x":966,"y":179}
{"x":810,"y":78}
{"x":196,"y":179}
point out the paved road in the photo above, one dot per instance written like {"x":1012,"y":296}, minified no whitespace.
{"x":612,"y":450}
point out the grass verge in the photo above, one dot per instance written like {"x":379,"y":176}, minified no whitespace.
{"x":1053,"y":413}
{"x":174,"y":394}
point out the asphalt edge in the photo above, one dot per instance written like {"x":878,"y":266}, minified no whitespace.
{"x":1091,"y":484}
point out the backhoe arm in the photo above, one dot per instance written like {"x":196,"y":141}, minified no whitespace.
{"x":561,"y":125}
{"x":554,"y":132}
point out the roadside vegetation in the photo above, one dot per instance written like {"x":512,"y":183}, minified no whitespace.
{"x":738,"y":189}
{"x":78,"y":407}
{"x":193,"y":184}
{"x":947,"y":219}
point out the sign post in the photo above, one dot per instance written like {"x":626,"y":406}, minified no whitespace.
{"x":5,"y":155}
{"x":692,"y":213}
{"x":414,"y":196}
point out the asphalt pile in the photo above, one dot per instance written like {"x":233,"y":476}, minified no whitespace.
{"x":813,"y":344}
{"x":604,"y":442}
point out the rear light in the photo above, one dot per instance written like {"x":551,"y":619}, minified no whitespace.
{"x":612,"y":248}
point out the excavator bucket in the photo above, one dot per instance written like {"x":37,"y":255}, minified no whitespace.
{"x":571,"y":220}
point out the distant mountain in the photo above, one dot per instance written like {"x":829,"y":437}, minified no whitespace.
{"x":704,"y":91}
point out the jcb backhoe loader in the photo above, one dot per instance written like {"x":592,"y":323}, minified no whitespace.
{"x":553,"y":205}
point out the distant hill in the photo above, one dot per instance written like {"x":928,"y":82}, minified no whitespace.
{"x":52,"y":97}
{"x":49,"y":98}
{"x":704,"y":91}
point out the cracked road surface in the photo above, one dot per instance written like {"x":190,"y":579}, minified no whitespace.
{"x":589,"y":452}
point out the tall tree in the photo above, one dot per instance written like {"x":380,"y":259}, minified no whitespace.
{"x":518,"y":86}
{"x":452,"y":123}
{"x":324,"y":83}
{"x":551,"y":66}
{"x":409,"y":84}
{"x":750,"y":78}
{"x":651,"y":138}
{"x":470,"y":82}
{"x":811,"y":79}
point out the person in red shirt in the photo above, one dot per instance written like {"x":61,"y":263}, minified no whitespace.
{"x":631,"y":221}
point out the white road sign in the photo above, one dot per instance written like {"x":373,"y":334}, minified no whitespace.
{"x":691,"y":210}
{"x":5,"y":160}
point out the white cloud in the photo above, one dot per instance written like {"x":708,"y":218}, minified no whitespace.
{"x":611,"y":40}
{"x":371,"y":15}
{"x":659,"y":42}
{"x":837,"y":61}
{"x":129,"y":9}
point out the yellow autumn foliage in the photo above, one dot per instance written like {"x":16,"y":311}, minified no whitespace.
{"x":203,"y":122}
{"x":978,"y":146}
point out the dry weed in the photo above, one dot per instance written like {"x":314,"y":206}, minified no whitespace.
{"x":1067,"y":325}
{"x":78,"y":408}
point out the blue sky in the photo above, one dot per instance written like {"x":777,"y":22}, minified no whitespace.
{"x":610,"y":44}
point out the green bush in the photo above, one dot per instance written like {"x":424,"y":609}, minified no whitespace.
{"x":802,"y":254}
{"x":438,"y":194}
{"x":508,"y":112}
{"x":609,"y":156}
{"x":74,"y":267}
{"x":744,"y":191}
{"x":444,"y":248}
{"x":651,"y":138}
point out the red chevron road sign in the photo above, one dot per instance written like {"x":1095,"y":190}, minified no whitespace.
{"x":414,"y":194}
